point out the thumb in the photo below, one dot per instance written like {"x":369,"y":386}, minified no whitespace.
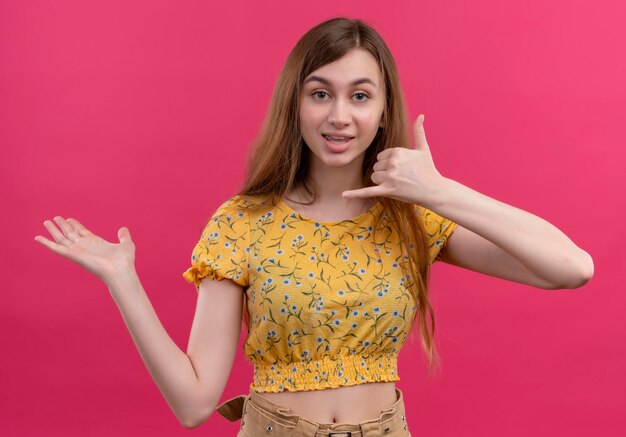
{"x":420,"y":134}
{"x":124,"y":235}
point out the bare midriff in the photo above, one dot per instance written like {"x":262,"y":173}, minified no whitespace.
{"x":351,"y":404}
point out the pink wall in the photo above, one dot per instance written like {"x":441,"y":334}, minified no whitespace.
{"x":140,"y":114}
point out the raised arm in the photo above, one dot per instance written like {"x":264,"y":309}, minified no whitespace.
{"x":192,"y":384}
{"x":491,"y":237}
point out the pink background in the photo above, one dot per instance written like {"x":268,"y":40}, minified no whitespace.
{"x":140,"y":114}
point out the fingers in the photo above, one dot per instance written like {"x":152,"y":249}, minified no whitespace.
{"x":374,"y":191}
{"x":68,"y":230}
{"x":67,"y":237}
{"x":379,"y":177}
{"x":391,"y":153}
{"x":56,"y":248}
{"x":61,"y":239}
{"x":65,"y":227}
{"x":56,"y":234}
{"x":78,"y":227}
{"x":380,"y":166}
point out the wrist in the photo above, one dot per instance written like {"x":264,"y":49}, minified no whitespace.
{"x":122,"y":278}
{"x":439,"y":193}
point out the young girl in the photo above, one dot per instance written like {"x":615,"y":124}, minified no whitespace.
{"x":325,"y":253}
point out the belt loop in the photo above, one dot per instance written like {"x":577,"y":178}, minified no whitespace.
{"x":232,"y":409}
{"x":371,"y":429}
{"x":304,"y":427}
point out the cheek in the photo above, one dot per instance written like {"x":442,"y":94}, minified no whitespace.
{"x":307,"y":117}
{"x":371,"y":120}
{"x":370,"y":115}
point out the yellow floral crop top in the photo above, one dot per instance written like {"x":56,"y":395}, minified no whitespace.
{"x":327,"y":303}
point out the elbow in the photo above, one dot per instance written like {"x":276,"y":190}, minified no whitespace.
{"x":586,"y":270}
{"x":190,"y":423}
{"x":577,"y":282}
{"x":583,"y":273}
{"x":195,"y":421}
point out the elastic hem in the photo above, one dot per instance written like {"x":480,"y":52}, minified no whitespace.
{"x":325,"y":373}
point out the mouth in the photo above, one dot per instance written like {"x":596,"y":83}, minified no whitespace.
{"x":337,"y":139}
{"x":337,"y":144}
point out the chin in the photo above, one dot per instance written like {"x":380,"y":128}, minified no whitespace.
{"x":336,"y":160}
{"x":339,"y":161}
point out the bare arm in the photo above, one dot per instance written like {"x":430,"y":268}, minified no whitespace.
{"x":466,"y":249}
{"x":192,"y":382}
{"x":492,"y":237}
{"x":213,"y":340}
{"x":507,"y":242}
{"x":170,"y":368}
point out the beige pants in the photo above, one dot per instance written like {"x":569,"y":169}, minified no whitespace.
{"x":260,"y":417}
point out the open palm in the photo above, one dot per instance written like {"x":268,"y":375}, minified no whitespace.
{"x":78,"y":244}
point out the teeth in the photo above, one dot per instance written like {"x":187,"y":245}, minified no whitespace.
{"x":330,"y":137}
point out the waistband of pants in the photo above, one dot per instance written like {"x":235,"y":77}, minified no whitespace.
{"x":266,"y":416}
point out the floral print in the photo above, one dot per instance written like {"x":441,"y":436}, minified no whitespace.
{"x":328,"y":302}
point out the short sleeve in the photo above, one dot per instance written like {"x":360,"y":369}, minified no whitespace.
{"x":222,"y":251}
{"x":438,"y":229}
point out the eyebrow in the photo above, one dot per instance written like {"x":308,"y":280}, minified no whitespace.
{"x":327,"y":82}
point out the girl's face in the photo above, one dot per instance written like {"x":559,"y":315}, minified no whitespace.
{"x":341,"y":108}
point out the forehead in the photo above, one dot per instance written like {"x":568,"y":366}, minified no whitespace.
{"x":354,"y":65}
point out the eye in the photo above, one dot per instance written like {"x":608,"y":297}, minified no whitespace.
{"x":364,"y":97}
{"x":316,"y":94}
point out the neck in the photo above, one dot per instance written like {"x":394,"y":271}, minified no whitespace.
{"x":330,"y":182}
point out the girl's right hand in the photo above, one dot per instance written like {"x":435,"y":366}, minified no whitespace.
{"x":76,"y":243}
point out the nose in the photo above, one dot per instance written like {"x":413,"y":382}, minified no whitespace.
{"x":339,"y":113}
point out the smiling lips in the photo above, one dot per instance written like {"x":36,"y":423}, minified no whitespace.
{"x":337,"y":144}
{"x":337,"y":139}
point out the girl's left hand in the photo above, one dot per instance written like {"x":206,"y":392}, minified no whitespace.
{"x":405,"y":174}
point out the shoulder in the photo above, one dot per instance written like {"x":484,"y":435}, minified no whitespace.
{"x":241,"y":210}
{"x":428,"y":215}
{"x":438,"y":228}
{"x":239,"y":203}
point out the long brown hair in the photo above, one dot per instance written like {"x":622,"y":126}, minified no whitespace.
{"x":279,"y":159}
